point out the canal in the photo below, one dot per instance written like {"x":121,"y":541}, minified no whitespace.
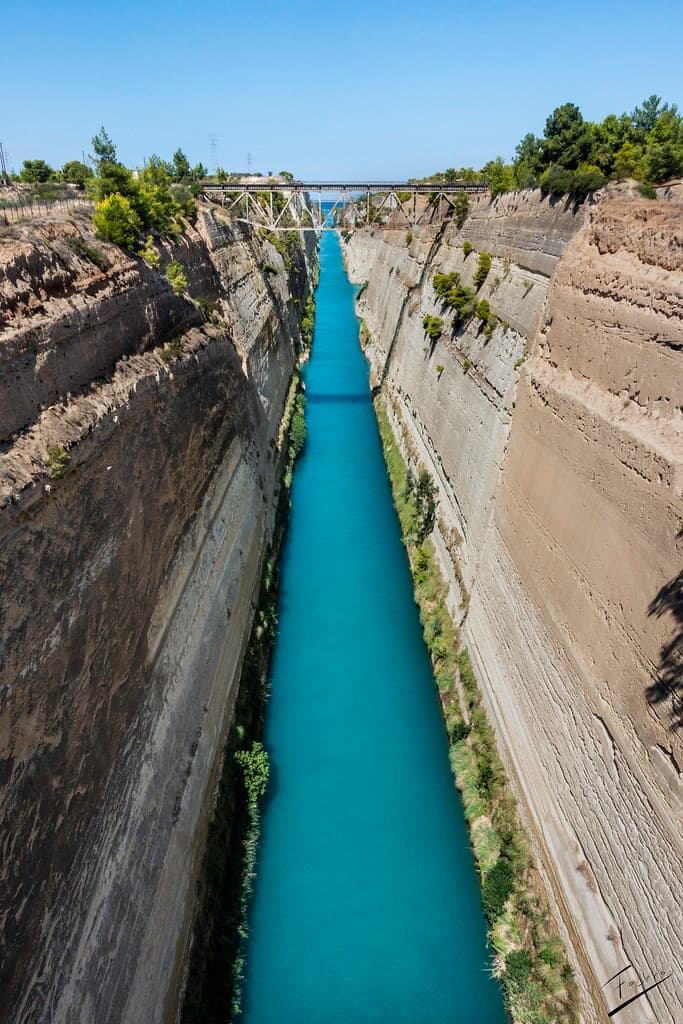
{"x":366,"y":908}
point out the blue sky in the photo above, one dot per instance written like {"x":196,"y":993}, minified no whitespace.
{"x":390,"y":89}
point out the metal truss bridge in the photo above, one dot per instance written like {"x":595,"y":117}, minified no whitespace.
{"x":275,"y":205}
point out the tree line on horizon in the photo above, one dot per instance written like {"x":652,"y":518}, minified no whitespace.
{"x":75,"y":172}
{"x":575,"y":156}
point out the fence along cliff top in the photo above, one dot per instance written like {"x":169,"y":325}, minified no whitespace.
{"x":256,"y":202}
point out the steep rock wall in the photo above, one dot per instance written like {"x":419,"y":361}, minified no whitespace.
{"x":560,"y":482}
{"x":128,"y":589}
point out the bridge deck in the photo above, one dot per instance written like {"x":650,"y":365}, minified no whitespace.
{"x":342,"y":186}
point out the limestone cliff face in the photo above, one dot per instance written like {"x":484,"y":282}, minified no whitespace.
{"x":128,"y":590}
{"x":560,"y":481}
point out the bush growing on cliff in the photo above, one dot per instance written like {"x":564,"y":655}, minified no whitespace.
{"x":176,"y":277}
{"x":497,"y":888}
{"x":308,"y":322}
{"x":116,"y":221}
{"x":459,"y":298}
{"x":483,"y":312}
{"x":482,"y":271}
{"x":433,"y":327}
{"x":57,"y":461}
{"x":256,"y":769}
{"x":172,"y":351}
{"x":462,"y":208}
{"x":149,"y":253}
{"x":466,"y":248}
{"x":297,"y":428}
{"x":425,"y":506}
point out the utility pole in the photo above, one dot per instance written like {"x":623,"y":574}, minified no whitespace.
{"x":213,"y":142}
{"x":4,"y":176}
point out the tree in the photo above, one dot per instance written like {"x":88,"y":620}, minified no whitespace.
{"x":112,"y":176}
{"x":663,"y":158}
{"x":500,"y":176}
{"x":645,"y":117}
{"x":199,"y":172}
{"x":36,"y":171}
{"x":105,"y":150}
{"x":287,"y":175}
{"x":180,"y":170}
{"x":568,"y":140}
{"x":609,"y":137}
{"x":529,"y":161}
{"x":76,"y":172}
{"x":116,"y":221}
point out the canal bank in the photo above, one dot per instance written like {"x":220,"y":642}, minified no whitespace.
{"x":367,"y":905}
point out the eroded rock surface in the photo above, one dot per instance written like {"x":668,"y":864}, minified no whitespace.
{"x":128,"y":590}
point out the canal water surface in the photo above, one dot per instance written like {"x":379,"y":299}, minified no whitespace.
{"x":366,"y":908}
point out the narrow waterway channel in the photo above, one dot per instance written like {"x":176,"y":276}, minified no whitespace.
{"x":367,"y":907}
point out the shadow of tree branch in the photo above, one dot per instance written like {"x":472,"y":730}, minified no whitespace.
{"x":669,"y":682}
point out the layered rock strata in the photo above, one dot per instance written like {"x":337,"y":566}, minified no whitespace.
{"x":128,"y":581}
{"x":557,"y":447}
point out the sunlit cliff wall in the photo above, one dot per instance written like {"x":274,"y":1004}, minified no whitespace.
{"x":557,"y":446}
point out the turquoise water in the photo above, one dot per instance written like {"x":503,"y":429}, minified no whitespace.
{"x":366,"y":908}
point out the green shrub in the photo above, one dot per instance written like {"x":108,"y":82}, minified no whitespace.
{"x":462,"y":208}
{"x":459,"y":731}
{"x":172,"y":351}
{"x":425,"y":505}
{"x":76,"y":172}
{"x":456,"y":296}
{"x":149,"y":253}
{"x":256,"y":768}
{"x":517,"y":968}
{"x":497,"y":888}
{"x":556,"y":181}
{"x":482,"y":271}
{"x":297,"y":431}
{"x":268,"y":268}
{"x":176,"y":277}
{"x":440,"y":368}
{"x":585,"y":182}
{"x":57,"y":461}
{"x":466,"y":248}
{"x":433,"y":326}
{"x":444,"y":283}
{"x":647,"y":191}
{"x":482,"y":311}
{"x":35,"y":171}
{"x":209,"y":310}
{"x":466,"y":363}
{"x":116,"y":221}
{"x":308,"y":322}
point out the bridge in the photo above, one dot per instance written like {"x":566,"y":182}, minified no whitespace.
{"x":289,"y":205}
